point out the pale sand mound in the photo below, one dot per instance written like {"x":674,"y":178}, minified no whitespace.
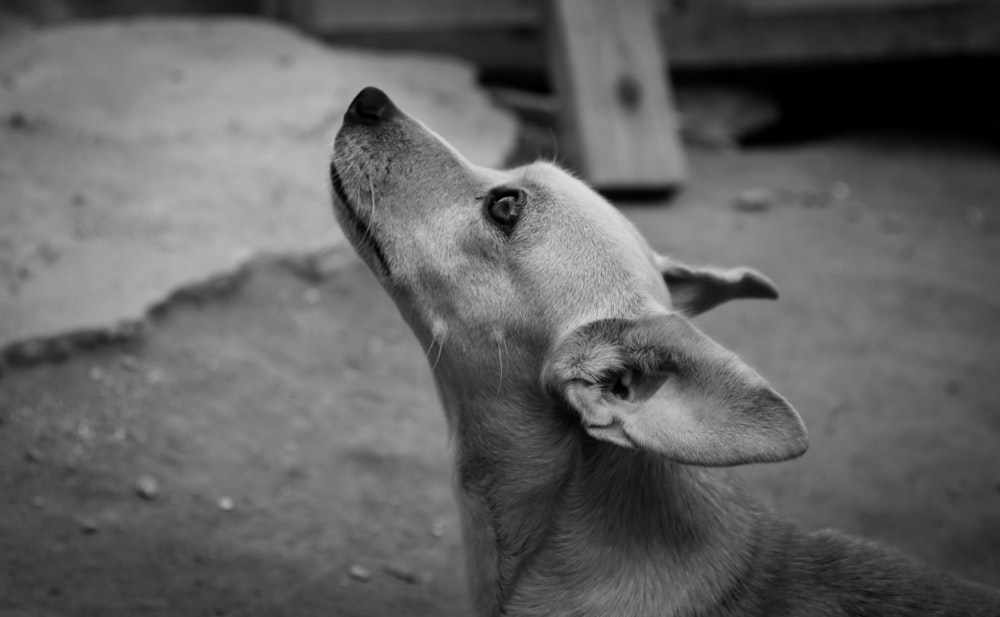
{"x":138,"y":157}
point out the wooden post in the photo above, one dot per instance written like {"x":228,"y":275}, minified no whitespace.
{"x":617,"y":113}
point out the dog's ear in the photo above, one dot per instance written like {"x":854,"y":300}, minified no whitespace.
{"x":660,"y":385}
{"x":695,"y":290}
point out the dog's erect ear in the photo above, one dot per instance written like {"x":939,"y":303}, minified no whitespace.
{"x":660,"y":385}
{"x":695,"y":290}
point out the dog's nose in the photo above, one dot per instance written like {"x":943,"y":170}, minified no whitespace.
{"x":370,"y":106}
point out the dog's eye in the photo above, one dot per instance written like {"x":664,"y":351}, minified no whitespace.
{"x":504,"y":208}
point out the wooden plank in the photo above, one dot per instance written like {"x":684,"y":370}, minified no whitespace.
{"x":823,"y":5}
{"x":775,"y":37}
{"x":616,"y":109}
{"x":437,"y":15}
{"x":699,"y":36}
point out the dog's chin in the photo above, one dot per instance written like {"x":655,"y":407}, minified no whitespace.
{"x":358,"y":230}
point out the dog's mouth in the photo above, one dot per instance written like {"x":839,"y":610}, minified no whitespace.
{"x":363,"y":230}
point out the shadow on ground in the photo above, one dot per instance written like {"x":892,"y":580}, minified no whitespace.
{"x":306,"y":404}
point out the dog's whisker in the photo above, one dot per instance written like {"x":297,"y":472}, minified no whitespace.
{"x":438,"y":359}
{"x":555,"y":146}
{"x":371,"y":189}
{"x":500,"y":344}
{"x":368,"y":239}
{"x":430,"y":348}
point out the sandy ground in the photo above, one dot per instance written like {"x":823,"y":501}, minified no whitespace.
{"x":267,"y":436}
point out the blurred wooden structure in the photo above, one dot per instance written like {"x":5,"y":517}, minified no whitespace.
{"x":507,"y":35}
{"x":616,"y":108}
{"x":606,"y":58}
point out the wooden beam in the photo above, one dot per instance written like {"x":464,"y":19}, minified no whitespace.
{"x":833,"y":35}
{"x":616,"y":110}
{"x":508,"y":34}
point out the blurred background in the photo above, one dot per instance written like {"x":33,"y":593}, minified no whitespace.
{"x":209,"y":407}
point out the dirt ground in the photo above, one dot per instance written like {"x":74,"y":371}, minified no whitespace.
{"x":276,"y":447}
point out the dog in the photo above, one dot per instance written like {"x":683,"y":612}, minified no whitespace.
{"x":591,"y":421}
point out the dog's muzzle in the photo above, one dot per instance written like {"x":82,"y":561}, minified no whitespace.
{"x":370,"y":108}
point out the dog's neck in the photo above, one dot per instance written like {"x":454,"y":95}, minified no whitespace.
{"x":534,"y":523}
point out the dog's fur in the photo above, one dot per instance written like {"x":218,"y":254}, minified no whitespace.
{"x":589,"y":417}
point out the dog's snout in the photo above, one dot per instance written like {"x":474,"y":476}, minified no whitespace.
{"x":370,"y":106}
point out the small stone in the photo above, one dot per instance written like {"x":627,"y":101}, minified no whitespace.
{"x":402,"y":573}
{"x":147,"y":488}
{"x":359,"y":573}
{"x":96,"y":373}
{"x":812,"y":198}
{"x":296,"y":472}
{"x":755,"y":200}
{"x":154,"y":376}
{"x":840,"y":191}
{"x":437,"y":530}
{"x":33,"y":455}
{"x":37,"y":501}
{"x":88,"y":526}
{"x":19,"y":121}
{"x":226,"y":504}
{"x":129,"y":362}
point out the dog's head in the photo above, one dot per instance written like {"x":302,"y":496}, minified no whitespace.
{"x":527,"y":281}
